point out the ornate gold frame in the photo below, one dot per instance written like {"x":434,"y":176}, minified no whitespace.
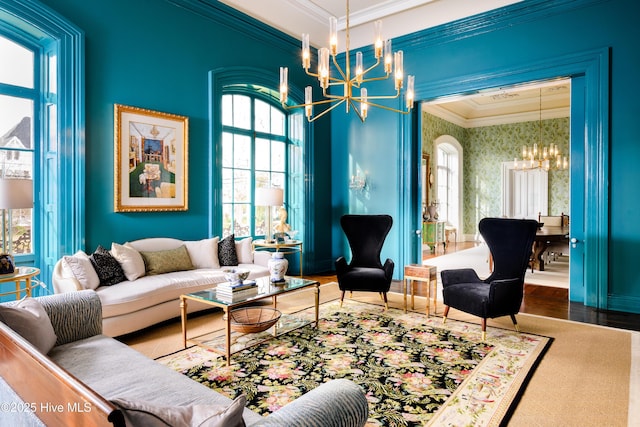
{"x":149,"y":147}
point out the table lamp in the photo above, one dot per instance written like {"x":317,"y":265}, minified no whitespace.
{"x":269,"y":197}
{"x":14,"y":194}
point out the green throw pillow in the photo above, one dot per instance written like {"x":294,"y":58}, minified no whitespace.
{"x":158,"y":262}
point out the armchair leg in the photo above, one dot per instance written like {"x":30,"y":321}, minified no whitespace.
{"x":341,"y":299}
{"x":484,"y":329}
{"x":384,"y":297}
{"x":515,"y":324}
{"x":445,"y":314}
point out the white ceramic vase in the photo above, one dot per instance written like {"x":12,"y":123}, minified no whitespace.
{"x":277,"y":267}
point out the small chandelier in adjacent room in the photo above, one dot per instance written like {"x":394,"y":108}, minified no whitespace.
{"x":539,"y":156}
{"x":354,"y":94}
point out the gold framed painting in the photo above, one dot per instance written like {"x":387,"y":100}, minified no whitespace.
{"x":150,"y":160}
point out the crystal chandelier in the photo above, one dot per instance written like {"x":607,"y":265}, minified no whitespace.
{"x":354,"y":94}
{"x":539,"y":156}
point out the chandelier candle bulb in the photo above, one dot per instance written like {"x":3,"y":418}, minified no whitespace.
{"x":333,"y":35}
{"x":284,"y":76}
{"x":388,"y":57}
{"x":410,"y":91}
{"x":399,"y":72}
{"x":359,"y":67}
{"x":363,"y":102}
{"x":306,"y":53}
{"x":377,"y":37}
{"x":323,"y":67}
{"x":308,"y":101}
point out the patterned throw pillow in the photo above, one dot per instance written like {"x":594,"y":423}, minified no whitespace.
{"x":227,"y":251}
{"x":167,"y":261}
{"x":108,"y":268}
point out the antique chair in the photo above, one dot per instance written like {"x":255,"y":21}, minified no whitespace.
{"x":510,"y":242}
{"x":366,"y":235}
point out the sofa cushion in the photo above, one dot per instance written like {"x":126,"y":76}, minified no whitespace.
{"x":204,"y":253}
{"x":227,"y":251}
{"x":29,"y":319}
{"x":142,"y":413}
{"x":107,"y":267}
{"x":130,"y":260}
{"x":244,"y":251}
{"x":167,"y":261}
{"x":79,"y":267}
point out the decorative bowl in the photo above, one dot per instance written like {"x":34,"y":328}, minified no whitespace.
{"x":250,"y":320}
{"x":235,"y":275}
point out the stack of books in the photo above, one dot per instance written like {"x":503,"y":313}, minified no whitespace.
{"x":236,"y":292}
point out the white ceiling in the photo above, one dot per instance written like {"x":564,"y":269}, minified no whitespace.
{"x":401,"y":17}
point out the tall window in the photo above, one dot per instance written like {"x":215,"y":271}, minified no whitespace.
{"x":447,"y":181}
{"x":19,"y":107}
{"x":257,"y":151}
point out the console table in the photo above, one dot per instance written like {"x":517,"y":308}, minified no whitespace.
{"x":22,"y":274}
{"x":433,"y":234}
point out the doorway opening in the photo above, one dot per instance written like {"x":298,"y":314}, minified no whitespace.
{"x":492,"y":128}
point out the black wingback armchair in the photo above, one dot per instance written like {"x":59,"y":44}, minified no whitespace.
{"x":510,"y":242}
{"x":366,"y":235}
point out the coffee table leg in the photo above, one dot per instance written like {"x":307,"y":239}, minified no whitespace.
{"x":183,"y":318}
{"x":317,"y":303}
{"x":228,"y":335}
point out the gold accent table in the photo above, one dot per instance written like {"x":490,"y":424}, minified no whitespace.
{"x":266,"y":289}
{"x":286,"y":247}
{"x":22,"y":274}
{"x":421,"y":273}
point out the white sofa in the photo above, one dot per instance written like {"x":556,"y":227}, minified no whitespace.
{"x":135,"y":304}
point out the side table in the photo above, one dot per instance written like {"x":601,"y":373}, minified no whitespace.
{"x":22,"y":274}
{"x":286,"y":247}
{"x":421,"y":273}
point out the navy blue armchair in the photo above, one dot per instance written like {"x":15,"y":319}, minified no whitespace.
{"x":366,"y":235}
{"x":510,"y":242}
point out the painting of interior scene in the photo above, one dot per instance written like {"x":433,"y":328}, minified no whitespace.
{"x":152,"y":161}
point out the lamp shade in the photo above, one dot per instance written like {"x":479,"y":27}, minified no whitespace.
{"x":16,"y":193}
{"x":269,"y":196}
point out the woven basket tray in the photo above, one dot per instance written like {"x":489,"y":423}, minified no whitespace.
{"x":250,"y":320}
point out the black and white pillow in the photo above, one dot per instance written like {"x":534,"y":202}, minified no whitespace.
{"x":107,"y":267}
{"x":227,"y":254}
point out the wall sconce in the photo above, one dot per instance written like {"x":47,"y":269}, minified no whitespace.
{"x":358,"y":182}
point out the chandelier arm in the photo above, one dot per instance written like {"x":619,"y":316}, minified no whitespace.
{"x":355,"y":108}
{"x":373,"y":79}
{"x":326,"y":111}
{"x":384,"y":107}
{"x":371,"y":68}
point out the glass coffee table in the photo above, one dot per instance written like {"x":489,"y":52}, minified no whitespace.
{"x":266,"y":289}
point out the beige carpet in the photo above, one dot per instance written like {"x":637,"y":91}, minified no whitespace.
{"x":584,"y":379}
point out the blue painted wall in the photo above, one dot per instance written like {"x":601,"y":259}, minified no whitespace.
{"x":488,"y":45}
{"x":157,"y":55}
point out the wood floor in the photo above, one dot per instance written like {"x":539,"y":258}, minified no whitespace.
{"x":539,"y":300}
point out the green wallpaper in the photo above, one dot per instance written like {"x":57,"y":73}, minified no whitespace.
{"x":484,"y":150}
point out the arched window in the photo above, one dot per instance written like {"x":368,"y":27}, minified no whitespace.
{"x":256,"y":153}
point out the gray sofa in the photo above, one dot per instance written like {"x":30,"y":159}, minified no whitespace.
{"x":112,"y":370}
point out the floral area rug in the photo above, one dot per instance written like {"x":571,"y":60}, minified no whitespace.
{"x":413,"y":369}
